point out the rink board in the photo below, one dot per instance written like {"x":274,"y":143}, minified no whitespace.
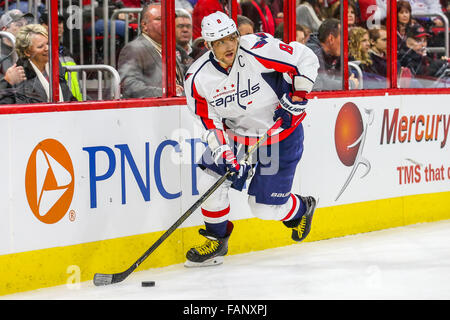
{"x":90,"y":191}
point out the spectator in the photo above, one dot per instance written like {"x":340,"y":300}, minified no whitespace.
{"x":140,"y":62}
{"x":32,"y":49}
{"x":11,"y":21}
{"x":326,"y":44}
{"x":205,"y":7}
{"x":183,"y":35}
{"x":359,"y":52}
{"x":416,"y":58}
{"x":378,"y":50}
{"x":198,"y":48}
{"x":302,"y":33}
{"x":245,"y":25}
{"x":311,"y":13}
{"x":276,"y":7}
{"x":404,"y":22}
{"x":65,"y":56}
{"x":183,"y":29}
{"x":353,"y":15}
{"x":359,"y":45}
{"x":259,"y":12}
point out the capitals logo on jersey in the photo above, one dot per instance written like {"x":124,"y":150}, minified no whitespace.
{"x":235,"y":93}
{"x":261,"y":41}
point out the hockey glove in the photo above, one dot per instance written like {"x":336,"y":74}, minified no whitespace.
{"x":291,"y":113}
{"x":225,"y":156}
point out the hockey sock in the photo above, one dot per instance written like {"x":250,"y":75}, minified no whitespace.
{"x":218,"y":229}
{"x":216,"y":221}
{"x":293,"y":222}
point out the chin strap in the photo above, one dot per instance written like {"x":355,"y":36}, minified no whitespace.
{"x":210,"y":47}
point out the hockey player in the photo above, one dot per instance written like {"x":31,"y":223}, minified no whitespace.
{"x":238,"y":89}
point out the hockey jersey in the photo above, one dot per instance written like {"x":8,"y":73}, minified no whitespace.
{"x":244,"y":97}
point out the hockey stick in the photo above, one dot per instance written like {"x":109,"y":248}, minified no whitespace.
{"x":102,"y":279}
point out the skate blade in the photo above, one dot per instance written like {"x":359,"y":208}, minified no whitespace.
{"x":207,"y":263}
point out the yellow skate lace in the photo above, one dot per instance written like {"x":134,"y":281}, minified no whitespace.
{"x":208,"y":247}
{"x":301,"y":227}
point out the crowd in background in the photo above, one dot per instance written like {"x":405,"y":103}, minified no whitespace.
{"x":24,"y":68}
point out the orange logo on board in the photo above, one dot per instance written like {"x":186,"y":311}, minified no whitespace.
{"x":49,"y":181}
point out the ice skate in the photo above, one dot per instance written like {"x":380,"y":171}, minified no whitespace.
{"x":301,"y":227}
{"x":209,"y":253}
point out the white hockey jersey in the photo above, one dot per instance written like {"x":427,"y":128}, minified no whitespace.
{"x":244,"y":98}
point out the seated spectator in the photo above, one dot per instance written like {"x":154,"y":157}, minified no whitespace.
{"x":183,"y":29}
{"x":353,"y":19}
{"x":11,"y":21}
{"x":416,"y":58}
{"x":259,"y":12}
{"x":311,"y":13}
{"x":183,"y":36}
{"x":326,"y":44}
{"x":359,"y":52}
{"x":404,"y":22}
{"x":198,"y":48}
{"x":140,"y":61}
{"x":353,"y":16}
{"x":276,"y":7}
{"x":378,"y":50}
{"x":32,"y":49}
{"x":302,"y":33}
{"x":245,"y":25}
{"x":359,"y":45}
{"x":205,"y":7}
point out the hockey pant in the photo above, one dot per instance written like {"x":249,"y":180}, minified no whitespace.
{"x":217,"y":207}
{"x":270,"y":196}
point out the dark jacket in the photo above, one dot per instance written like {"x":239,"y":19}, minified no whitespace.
{"x":374,"y":74}
{"x":7,"y":58}
{"x":31,"y":90}
{"x":421,"y":66}
{"x":329,"y":75}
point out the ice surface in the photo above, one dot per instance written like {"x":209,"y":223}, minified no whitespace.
{"x":411,"y":262}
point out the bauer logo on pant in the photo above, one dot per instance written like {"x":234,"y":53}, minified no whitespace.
{"x":49,"y":181}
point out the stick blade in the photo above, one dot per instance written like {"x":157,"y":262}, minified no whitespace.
{"x":101,"y":279}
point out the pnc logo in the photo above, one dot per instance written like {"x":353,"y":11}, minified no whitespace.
{"x":349,"y":137}
{"x":49,"y":181}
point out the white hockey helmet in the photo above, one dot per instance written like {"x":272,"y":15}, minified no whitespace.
{"x":216,"y":26}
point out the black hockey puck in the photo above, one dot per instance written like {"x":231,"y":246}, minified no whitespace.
{"x":148,"y":283}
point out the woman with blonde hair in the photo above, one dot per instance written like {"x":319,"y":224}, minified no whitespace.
{"x":358,"y":51}
{"x":359,"y":45}
{"x":33,"y":52}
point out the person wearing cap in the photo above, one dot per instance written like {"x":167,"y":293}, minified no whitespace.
{"x":11,"y":21}
{"x":415,"y":56}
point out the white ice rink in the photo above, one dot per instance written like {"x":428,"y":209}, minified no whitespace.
{"x":411,"y":262}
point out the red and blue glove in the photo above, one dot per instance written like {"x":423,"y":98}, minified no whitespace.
{"x":290,"y":112}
